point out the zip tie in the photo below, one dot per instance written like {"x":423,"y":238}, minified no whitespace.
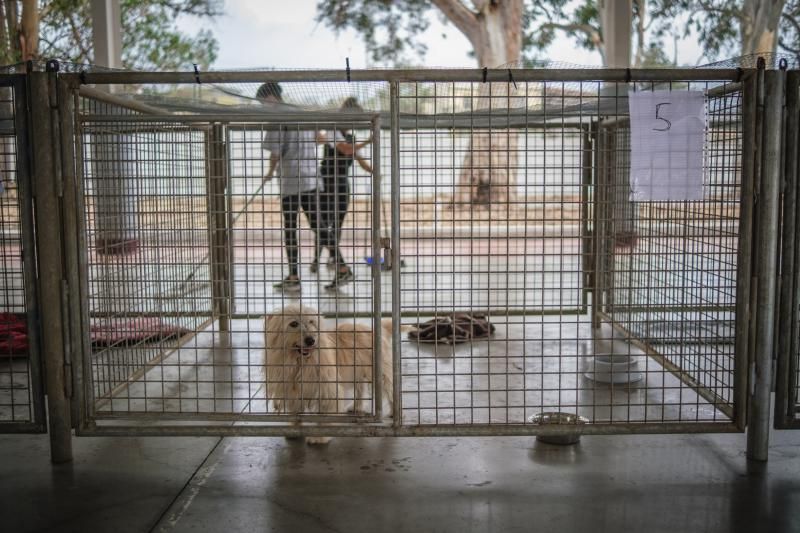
{"x":511,"y":78}
{"x":82,"y":77}
{"x":739,"y":74}
{"x":783,"y":64}
{"x":485,"y":71}
{"x":196,"y":74}
{"x":761,"y":63}
{"x":347,"y":62}
{"x":52,"y":65}
{"x":627,"y":75}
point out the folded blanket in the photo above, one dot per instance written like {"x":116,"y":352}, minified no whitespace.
{"x":13,"y":335}
{"x":452,"y":329}
{"x":129,"y":331}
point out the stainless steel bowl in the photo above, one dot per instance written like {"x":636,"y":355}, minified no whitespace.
{"x":559,"y":418}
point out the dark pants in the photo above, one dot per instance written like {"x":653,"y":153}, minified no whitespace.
{"x":290,"y":206}
{"x":333,"y":205}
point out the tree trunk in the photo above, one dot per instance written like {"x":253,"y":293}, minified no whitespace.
{"x":29,"y":30}
{"x":495,"y":31}
{"x":13,"y":31}
{"x":759,"y":26}
{"x":641,"y":27}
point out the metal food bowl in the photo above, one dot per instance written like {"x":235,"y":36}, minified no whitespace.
{"x":559,"y":418}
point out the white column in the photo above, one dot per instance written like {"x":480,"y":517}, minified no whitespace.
{"x":616,"y":20}
{"x":107,"y":33}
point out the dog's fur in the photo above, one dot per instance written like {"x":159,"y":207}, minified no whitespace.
{"x":313,"y":367}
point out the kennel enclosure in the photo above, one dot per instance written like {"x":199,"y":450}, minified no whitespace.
{"x":507,"y":197}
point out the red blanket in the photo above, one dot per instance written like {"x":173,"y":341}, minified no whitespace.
{"x":129,"y":331}
{"x":13,"y":335}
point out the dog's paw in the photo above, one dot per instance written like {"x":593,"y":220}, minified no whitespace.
{"x":314,"y":441}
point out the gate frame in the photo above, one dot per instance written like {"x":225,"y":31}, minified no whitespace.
{"x":87,"y":426}
{"x":787,"y":408}
{"x":18,"y":85}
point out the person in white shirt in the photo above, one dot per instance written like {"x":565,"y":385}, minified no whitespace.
{"x":293,"y":155}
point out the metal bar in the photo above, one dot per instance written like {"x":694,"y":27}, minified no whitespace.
{"x":771,"y":104}
{"x":516,"y":119}
{"x":364,"y":430}
{"x":786,"y":340}
{"x":50,"y":263}
{"x":587,"y":245}
{"x":126,"y":103}
{"x":750,"y":154}
{"x":394,"y":104}
{"x":300,"y":120}
{"x":72,"y":245}
{"x":421,"y":75}
{"x":376,"y":254}
{"x":217,"y":225}
{"x":726,"y":89}
{"x":25,"y":180}
{"x":84,"y":395}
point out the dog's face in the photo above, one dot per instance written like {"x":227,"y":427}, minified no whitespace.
{"x":294,"y":330}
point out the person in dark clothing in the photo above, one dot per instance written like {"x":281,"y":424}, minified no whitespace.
{"x":339,"y":152}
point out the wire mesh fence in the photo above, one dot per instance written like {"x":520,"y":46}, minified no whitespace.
{"x":660,"y":277}
{"x":21,"y":403}
{"x":233,"y":275}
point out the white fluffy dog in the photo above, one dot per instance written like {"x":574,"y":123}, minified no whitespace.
{"x":316,"y":368}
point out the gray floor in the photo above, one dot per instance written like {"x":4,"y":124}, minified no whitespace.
{"x":617,"y":483}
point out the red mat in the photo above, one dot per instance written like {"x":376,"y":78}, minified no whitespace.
{"x":13,"y":335}
{"x":128,"y":331}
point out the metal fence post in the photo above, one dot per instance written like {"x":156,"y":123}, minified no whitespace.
{"x":216,"y":156}
{"x":744,"y":258}
{"x":394,"y":104}
{"x":766,"y":248}
{"x":46,"y":171}
{"x":787,"y":317}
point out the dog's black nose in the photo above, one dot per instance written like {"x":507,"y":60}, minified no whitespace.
{"x":309,"y":341}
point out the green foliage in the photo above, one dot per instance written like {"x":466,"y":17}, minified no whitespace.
{"x":714,"y":23}
{"x":387,"y":27}
{"x":789,"y":40}
{"x":150,"y":36}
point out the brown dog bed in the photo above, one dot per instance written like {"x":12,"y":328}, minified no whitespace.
{"x":452,"y":329}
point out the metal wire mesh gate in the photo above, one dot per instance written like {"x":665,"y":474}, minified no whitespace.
{"x":509,"y":203}
{"x":660,"y":277}
{"x":21,"y":391}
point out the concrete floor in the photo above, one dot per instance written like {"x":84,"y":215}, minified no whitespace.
{"x":616,"y":483}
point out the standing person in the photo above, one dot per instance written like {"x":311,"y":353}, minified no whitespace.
{"x":293,"y":153}
{"x":339,"y":152}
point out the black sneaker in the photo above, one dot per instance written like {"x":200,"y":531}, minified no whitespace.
{"x":342,"y":278}
{"x":290,"y":284}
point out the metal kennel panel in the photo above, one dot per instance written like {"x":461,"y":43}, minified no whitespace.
{"x":501,"y":214}
{"x":669,"y":270}
{"x":787,"y":380}
{"x":185,"y":243}
{"x":147,"y":277}
{"x":21,"y":390}
{"x":344,"y":207}
{"x":514,"y":209}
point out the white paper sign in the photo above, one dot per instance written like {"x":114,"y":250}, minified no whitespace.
{"x":667,"y":139}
